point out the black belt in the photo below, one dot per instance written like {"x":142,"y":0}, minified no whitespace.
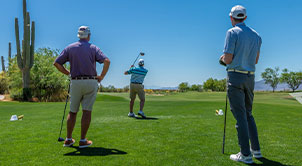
{"x":85,"y":78}
{"x":136,"y":83}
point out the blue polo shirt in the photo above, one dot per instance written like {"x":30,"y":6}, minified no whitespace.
{"x":138,"y":74}
{"x":244,"y":43}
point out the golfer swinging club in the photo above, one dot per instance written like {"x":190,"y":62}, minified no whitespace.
{"x":241,"y":53}
{"x":82,"y":57}
{"x":138,"y":75}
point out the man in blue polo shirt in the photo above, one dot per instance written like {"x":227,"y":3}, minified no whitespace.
{"x":241,"y":53}
{"x":138,"y":75}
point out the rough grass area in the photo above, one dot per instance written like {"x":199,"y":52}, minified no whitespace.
{"x":182,"y":129}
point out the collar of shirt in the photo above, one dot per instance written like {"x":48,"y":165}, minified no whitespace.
{"x":83,"y":41}
{"x":240,"y":24}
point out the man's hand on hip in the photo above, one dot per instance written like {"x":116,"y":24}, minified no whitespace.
{"x":100,"y":78}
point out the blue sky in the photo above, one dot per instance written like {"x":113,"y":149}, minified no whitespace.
{"x":182,"y":39}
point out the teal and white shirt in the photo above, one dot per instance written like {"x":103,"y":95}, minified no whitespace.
{"x":138,"y":74}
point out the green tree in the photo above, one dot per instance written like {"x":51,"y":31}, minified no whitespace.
{"x":293,"y":79}
{"x":215,"y":85}
{"x":209,"y":84}
{"x":111,"y":88}
{"x":196,"y":87}
{"x":183,"y":87}
{"x":126,"y":88}
{"x":271,"y":77}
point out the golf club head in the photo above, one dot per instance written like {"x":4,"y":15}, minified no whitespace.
{"x":142,"y":54}
{"x":60,"y":139}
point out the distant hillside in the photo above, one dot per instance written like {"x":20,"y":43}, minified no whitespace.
{"x":261,"y":86}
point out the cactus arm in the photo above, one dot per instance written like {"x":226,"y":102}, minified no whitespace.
{"x":27,"y":42}
{"x":24,"y":16}
{"x":23,"y":55}
{"x":2,"y":61}
{"x":9,"y":51}
{"x":32,"y":46}
{"x":19,"y":57}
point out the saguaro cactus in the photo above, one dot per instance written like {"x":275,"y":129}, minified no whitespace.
{"x":25,"y":58}
{"x":9,"y":51}
{"x":2,"y":62}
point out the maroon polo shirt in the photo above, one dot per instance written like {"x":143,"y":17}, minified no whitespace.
{"x":82,"y":57}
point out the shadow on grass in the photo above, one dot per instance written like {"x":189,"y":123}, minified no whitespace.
{"x":147,"y":118}
{"x":94,"y":151}
{"x":267,"y":162}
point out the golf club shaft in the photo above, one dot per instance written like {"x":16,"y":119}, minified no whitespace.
{"x":64,"y":110}
{"x":136,"y":59}
{"x":225,"y":115}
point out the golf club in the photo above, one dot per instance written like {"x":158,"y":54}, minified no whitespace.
{"x":225,"y":115}
{"x":140,"y":54}
{"x":60,"y":139}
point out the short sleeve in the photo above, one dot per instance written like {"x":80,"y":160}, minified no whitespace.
{"x":230,"y":42}
{"x":260,"y":43}
{"x":100,"y":57}
{"x":63,"y":57}
{"x":130,"y":71}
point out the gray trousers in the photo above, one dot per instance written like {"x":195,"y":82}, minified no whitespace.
{"x":241,"y":95}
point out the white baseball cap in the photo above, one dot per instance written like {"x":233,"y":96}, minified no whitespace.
{"x":238,"y":12}
{"x":83,"y":32}
{"x":141,"y":62}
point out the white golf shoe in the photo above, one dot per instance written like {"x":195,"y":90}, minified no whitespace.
{"x":141,"y":113}
{"x":132,"y":115}
{"x":241,"y":158}
{"x":256,"y":153}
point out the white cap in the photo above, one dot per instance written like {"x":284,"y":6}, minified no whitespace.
{"x":14,"y":118}
{"x":238,"y":12}
{"x":141,"y":62}
{"x":83,"y":32}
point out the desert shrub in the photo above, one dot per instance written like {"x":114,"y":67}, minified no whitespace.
{"x":3,"y":83}
{"x":47,"y":83}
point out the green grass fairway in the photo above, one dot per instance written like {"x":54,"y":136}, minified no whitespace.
{"x":183,"y":130}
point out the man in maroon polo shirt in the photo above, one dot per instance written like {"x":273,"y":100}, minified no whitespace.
{"x":82,"y":57}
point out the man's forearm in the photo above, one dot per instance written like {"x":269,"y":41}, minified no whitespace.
{"x":105,"y":67}
{"x":257,"y":58}
{"x":61,"y":68}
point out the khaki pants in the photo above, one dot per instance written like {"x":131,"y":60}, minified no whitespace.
{"x":137,"y":89}
{"x":82,"y":92}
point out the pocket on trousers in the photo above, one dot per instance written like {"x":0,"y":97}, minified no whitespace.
{"x":236,"y":80}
